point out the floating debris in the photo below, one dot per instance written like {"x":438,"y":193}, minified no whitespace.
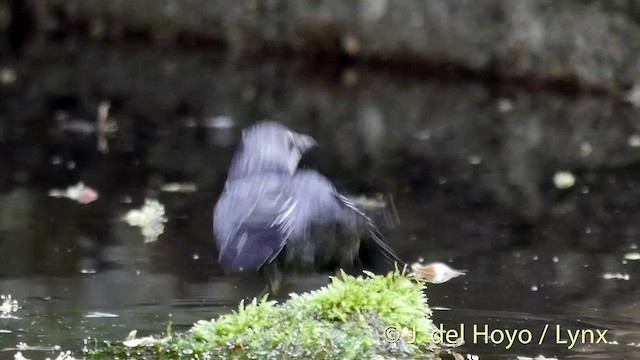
{"x":79,"y":192}
{"x":350,"y":76}
{"x":220,"y":130}
{"x":475,"y":160}
{"x":22,"y":346}
{"x":101,"y":119}
{"x":145,"y":341}
{"x":8,"y":306}
{"x":422,"y":135}
{"x":615,"y":276}
{"x":539,"y":357}
{"x":633,"y":96}
{"x":634,"y":141}
{"x":585,"y":149}
{"x":179,"y":187}
{"x":220,"y":122}
{"x":150,"y":219}
{"x":104,"y":126}
{"x":564,"y":179}
{"x":7,"y":76}
{"x":632,"y":256}
{"x":77,"y":126}
{"x":351,"y":45}
{"x":65,"y":355}
{"x":505,"y":105}
{"x":369,"y":203}
{"x":98,"y":314}
{"x":436,"y":273}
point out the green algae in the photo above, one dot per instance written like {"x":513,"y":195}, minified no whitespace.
{"x":365,"y":317}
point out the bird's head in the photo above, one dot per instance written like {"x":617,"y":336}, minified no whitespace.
{"x":269,"y":146}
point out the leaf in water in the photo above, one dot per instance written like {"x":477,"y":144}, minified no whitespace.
{"x":79,"y":193}
{"x":145,"y":341}
{"x":564,"y":180}
{"x":616,"y":276}
{"x":437,"y":272}
{"x":632,"y":256}
{"x":149,"y":218}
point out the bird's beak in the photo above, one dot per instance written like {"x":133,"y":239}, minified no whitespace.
{"x":304,"y":142}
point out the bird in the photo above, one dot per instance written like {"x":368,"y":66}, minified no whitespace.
{"x":272,"y":217}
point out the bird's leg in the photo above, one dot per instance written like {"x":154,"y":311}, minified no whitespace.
{"x":273,"y":276}
{"x":349,"y":264}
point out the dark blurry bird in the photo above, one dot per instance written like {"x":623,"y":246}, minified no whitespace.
{"x":273,"y":217}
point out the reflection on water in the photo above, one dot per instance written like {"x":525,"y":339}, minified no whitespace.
{"x":470,"y":168}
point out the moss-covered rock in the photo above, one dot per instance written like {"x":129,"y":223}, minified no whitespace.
{"x":364,"y":317}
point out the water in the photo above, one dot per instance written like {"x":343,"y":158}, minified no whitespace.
{"x":470,"y":166}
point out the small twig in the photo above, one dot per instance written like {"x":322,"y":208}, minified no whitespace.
{"x":101,"y":127}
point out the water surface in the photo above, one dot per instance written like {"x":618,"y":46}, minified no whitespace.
{"x":470,"y":167}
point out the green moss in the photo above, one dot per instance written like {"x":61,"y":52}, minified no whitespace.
{"x":344,"y":320}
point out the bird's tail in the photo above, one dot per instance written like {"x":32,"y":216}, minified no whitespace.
{"x":374,"y":254}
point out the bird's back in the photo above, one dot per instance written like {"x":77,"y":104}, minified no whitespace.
{"x":301,"y":220}
{"x":246,"y":222}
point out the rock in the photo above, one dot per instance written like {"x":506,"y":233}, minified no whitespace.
{"x":352,"y":318}
{"x":594,"y":42}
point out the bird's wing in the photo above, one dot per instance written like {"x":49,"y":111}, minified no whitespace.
{"x":263,"y":215}
{"x":321,"y":203}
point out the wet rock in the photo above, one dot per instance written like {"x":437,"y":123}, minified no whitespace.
{"x":594,"y":42}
